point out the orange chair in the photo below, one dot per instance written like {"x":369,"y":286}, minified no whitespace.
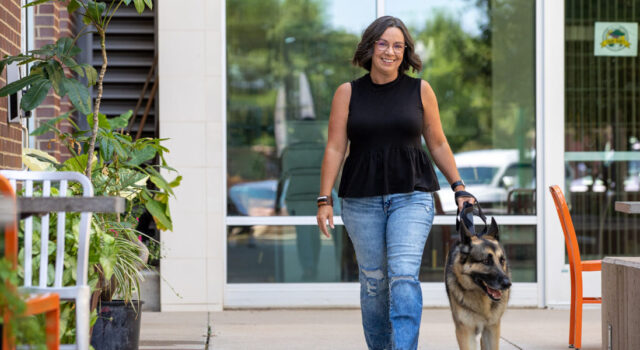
{"x":577,"y":266}
{"x":48,"y":303}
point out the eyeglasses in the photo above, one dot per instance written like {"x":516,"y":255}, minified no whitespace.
{"x":383,"y":45}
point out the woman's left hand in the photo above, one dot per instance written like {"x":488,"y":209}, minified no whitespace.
{"x":460,"y":201}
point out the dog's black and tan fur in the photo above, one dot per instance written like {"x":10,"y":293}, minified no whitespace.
{"x":477,"y":278}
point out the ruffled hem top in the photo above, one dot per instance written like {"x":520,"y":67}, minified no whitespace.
{"x":384,"y":128}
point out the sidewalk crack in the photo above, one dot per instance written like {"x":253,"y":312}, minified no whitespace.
{"x":208,"y":331}
{"x":507,"y":340}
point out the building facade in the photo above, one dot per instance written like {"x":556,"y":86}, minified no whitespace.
{"x":531,"y":94}
{"x":524,"y":99}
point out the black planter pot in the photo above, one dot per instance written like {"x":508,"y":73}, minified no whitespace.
{"x":118,"y":326}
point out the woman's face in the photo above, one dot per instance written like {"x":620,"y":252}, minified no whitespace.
{"x":388,"y":51}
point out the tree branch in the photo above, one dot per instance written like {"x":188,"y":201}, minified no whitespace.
{"x":96,"y":109}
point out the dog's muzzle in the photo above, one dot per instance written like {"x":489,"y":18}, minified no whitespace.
{"x":495,"y":293}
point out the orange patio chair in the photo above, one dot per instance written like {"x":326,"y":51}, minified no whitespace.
{"x":47,"y":303}
{"x":577,"y":266}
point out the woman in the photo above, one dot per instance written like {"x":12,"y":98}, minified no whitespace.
{"x":387,"y":180}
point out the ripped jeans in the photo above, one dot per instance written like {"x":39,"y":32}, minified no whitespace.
{"x":389,"y":233}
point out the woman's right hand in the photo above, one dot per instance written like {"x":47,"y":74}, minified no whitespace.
{"x":325,"y":213}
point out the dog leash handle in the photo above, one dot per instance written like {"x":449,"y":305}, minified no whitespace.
{"x":466,"y":215}
{"x":459,"y":194}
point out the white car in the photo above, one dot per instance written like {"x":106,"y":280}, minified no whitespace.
{"x":489,"y":175}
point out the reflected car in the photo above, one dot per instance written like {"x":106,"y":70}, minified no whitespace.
{"x":257,"y":198}
{"x":489,"y":175}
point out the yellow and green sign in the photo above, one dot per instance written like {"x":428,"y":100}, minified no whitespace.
{"x":616,"y":39}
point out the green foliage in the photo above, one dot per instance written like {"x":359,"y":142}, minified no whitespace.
{"x":114,"y":252}
{"x":73,"y":6}
{"x":123,"y":169}
{"x":48,"y":64}
{"x":78,"y":94}
{"x":36,"y":94}
{"x":25,"y":330}
{"x":72,"y":220}
{"x":117,"y":256}
{"x":15,"y":86}
{"x":94,"y":12}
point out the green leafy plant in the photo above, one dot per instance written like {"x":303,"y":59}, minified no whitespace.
{"x":116,"y":256}
{"x":67,"y":319}
{"x":122,"y":170}
{"x":123,"y":167}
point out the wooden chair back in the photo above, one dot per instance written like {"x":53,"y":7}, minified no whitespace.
{"x":570,"y":239}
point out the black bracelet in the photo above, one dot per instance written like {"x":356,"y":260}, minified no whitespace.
{"x":456,"y":184}
{"x":324,"y":200}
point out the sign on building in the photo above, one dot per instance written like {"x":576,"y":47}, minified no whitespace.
{"x":615,"y":39}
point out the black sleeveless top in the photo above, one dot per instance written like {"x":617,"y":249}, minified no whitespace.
{"x":384,"y":127}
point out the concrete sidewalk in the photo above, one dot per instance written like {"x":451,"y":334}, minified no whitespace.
{"x":340,"y":329}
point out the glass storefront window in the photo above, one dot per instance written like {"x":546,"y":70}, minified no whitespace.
{"x":602,"y":131}
{"x":296,"y":254}
{"x":285,"y":59}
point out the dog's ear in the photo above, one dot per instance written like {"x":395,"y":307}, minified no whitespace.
{"x":493,"y":230}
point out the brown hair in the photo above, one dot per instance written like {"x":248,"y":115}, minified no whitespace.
{"x":364,"y":51}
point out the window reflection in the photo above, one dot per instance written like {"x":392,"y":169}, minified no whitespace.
{"x":285,"y":59}
{"x":289,"y":254}
{"x":300,"y":254}
{"x":478,"y":57}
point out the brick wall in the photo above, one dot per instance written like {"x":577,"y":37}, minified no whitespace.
{"x":10,"y":134}
{"x":51,"y":23}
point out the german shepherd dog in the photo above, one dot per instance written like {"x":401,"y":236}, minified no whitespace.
{"x":477,"y":279}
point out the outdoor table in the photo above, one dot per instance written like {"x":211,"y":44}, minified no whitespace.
{"x":628,"y":207}
{"x":621,"y":295}
{"x":620,"y":302}
{"x":28,"y":206}
{"x":6,"y":211}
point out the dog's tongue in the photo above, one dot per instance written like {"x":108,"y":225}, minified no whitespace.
{"x":496,"y":294}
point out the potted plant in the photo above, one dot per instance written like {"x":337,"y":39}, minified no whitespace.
{"x":123,"y":166}
{"x":116,"y":254}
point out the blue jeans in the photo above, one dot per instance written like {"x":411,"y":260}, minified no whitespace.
{"x":389,"y":233}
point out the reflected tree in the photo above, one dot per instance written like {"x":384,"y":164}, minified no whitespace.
{"x":457,"y":66}
{"x":269,"y":45}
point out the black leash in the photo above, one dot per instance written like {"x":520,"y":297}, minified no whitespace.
{"x":466,"y":215}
